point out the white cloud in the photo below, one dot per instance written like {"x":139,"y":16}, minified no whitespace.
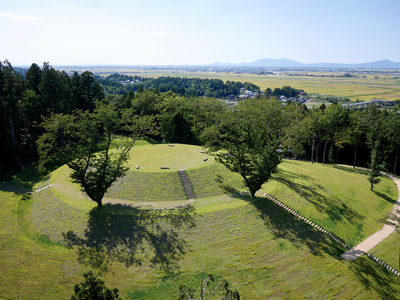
{"x":18,"y":17}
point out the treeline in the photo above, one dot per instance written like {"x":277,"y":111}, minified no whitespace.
{"x":187,"y":87}
{"x":26,"y":100}
{"x":369,"y":138}
{"x":286,"y":91}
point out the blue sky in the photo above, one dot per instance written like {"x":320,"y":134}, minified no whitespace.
{"x":185,"y":32}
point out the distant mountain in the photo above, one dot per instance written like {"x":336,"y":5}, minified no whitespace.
{"x":287,"y":63}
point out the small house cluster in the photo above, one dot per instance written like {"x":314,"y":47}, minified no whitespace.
{"x":124,"y":82}
{"x":246,"y":94}
{"x":300,"y":99}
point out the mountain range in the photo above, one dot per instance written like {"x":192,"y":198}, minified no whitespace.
{"x":287,"y":63}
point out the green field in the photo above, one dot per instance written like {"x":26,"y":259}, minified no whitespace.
{"x":261,"y":249}
{"x":173,"y":156}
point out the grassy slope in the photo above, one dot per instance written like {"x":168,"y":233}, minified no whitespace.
{"x":333,"y":197}
{"x":262,"y":250}
{"x":336,"y":198}
{"x":213,"y":180}
{"x":143,"y":186}
{"x":265,"y":252}
{"x":259,"y":248}
{"x":30,"y":266}
{"x":388,"y":250}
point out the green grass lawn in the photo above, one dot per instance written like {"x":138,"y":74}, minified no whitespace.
{"x":177,"y":157}
{"x":337,"y":198}
{"x":389,"y":250}
{"x":261,"y":249}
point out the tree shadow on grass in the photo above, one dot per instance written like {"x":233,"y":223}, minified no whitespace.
{"x":128,"y":234}
{"x":373,"y":276}
{"x":351,"y":170}
{"x":13,"y":188}
{"x":284,"y":225}
{"x":385,"y":197}
{"x":333,"y":206}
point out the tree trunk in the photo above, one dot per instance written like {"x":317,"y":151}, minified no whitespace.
{"x":312,"y":150}
{"x":13,"y":137}
{"x":395,"y":165}
{"x":337,"y":154}
{"x":25,"y":129}
{"x":372,"y":185}
{"x":323,"y":156}
{"x":355,"y":157}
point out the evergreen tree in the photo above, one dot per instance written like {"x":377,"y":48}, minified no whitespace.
{"x":93,"y":288}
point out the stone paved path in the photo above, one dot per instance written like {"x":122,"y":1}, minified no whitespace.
{"x":186,"y":184}
{"x":380,"y":235}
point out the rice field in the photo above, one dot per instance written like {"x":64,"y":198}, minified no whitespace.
{"x":385,"y":87}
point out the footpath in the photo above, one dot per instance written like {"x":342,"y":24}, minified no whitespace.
{"x":380,"y":235}
{"x":366,"y":245}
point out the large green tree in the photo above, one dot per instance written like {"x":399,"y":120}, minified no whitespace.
{"x":333,"y":120}
{"x":253,"y":139}
{"x":376,"y":122}
{"x":84,"y":141}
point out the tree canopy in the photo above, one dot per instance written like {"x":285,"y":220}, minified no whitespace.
{"x":253,"y":138}
{"x":93,"y":288}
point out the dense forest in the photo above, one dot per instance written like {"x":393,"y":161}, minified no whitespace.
{"x":332,"y":134}
{"x":188,"y":87}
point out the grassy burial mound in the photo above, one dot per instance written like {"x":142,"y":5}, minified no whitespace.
{"x":150,"y":182}
{"x":336,"y":198}
{"x":261,"y":249}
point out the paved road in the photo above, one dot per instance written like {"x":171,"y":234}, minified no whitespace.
{"x":380,"y":235}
